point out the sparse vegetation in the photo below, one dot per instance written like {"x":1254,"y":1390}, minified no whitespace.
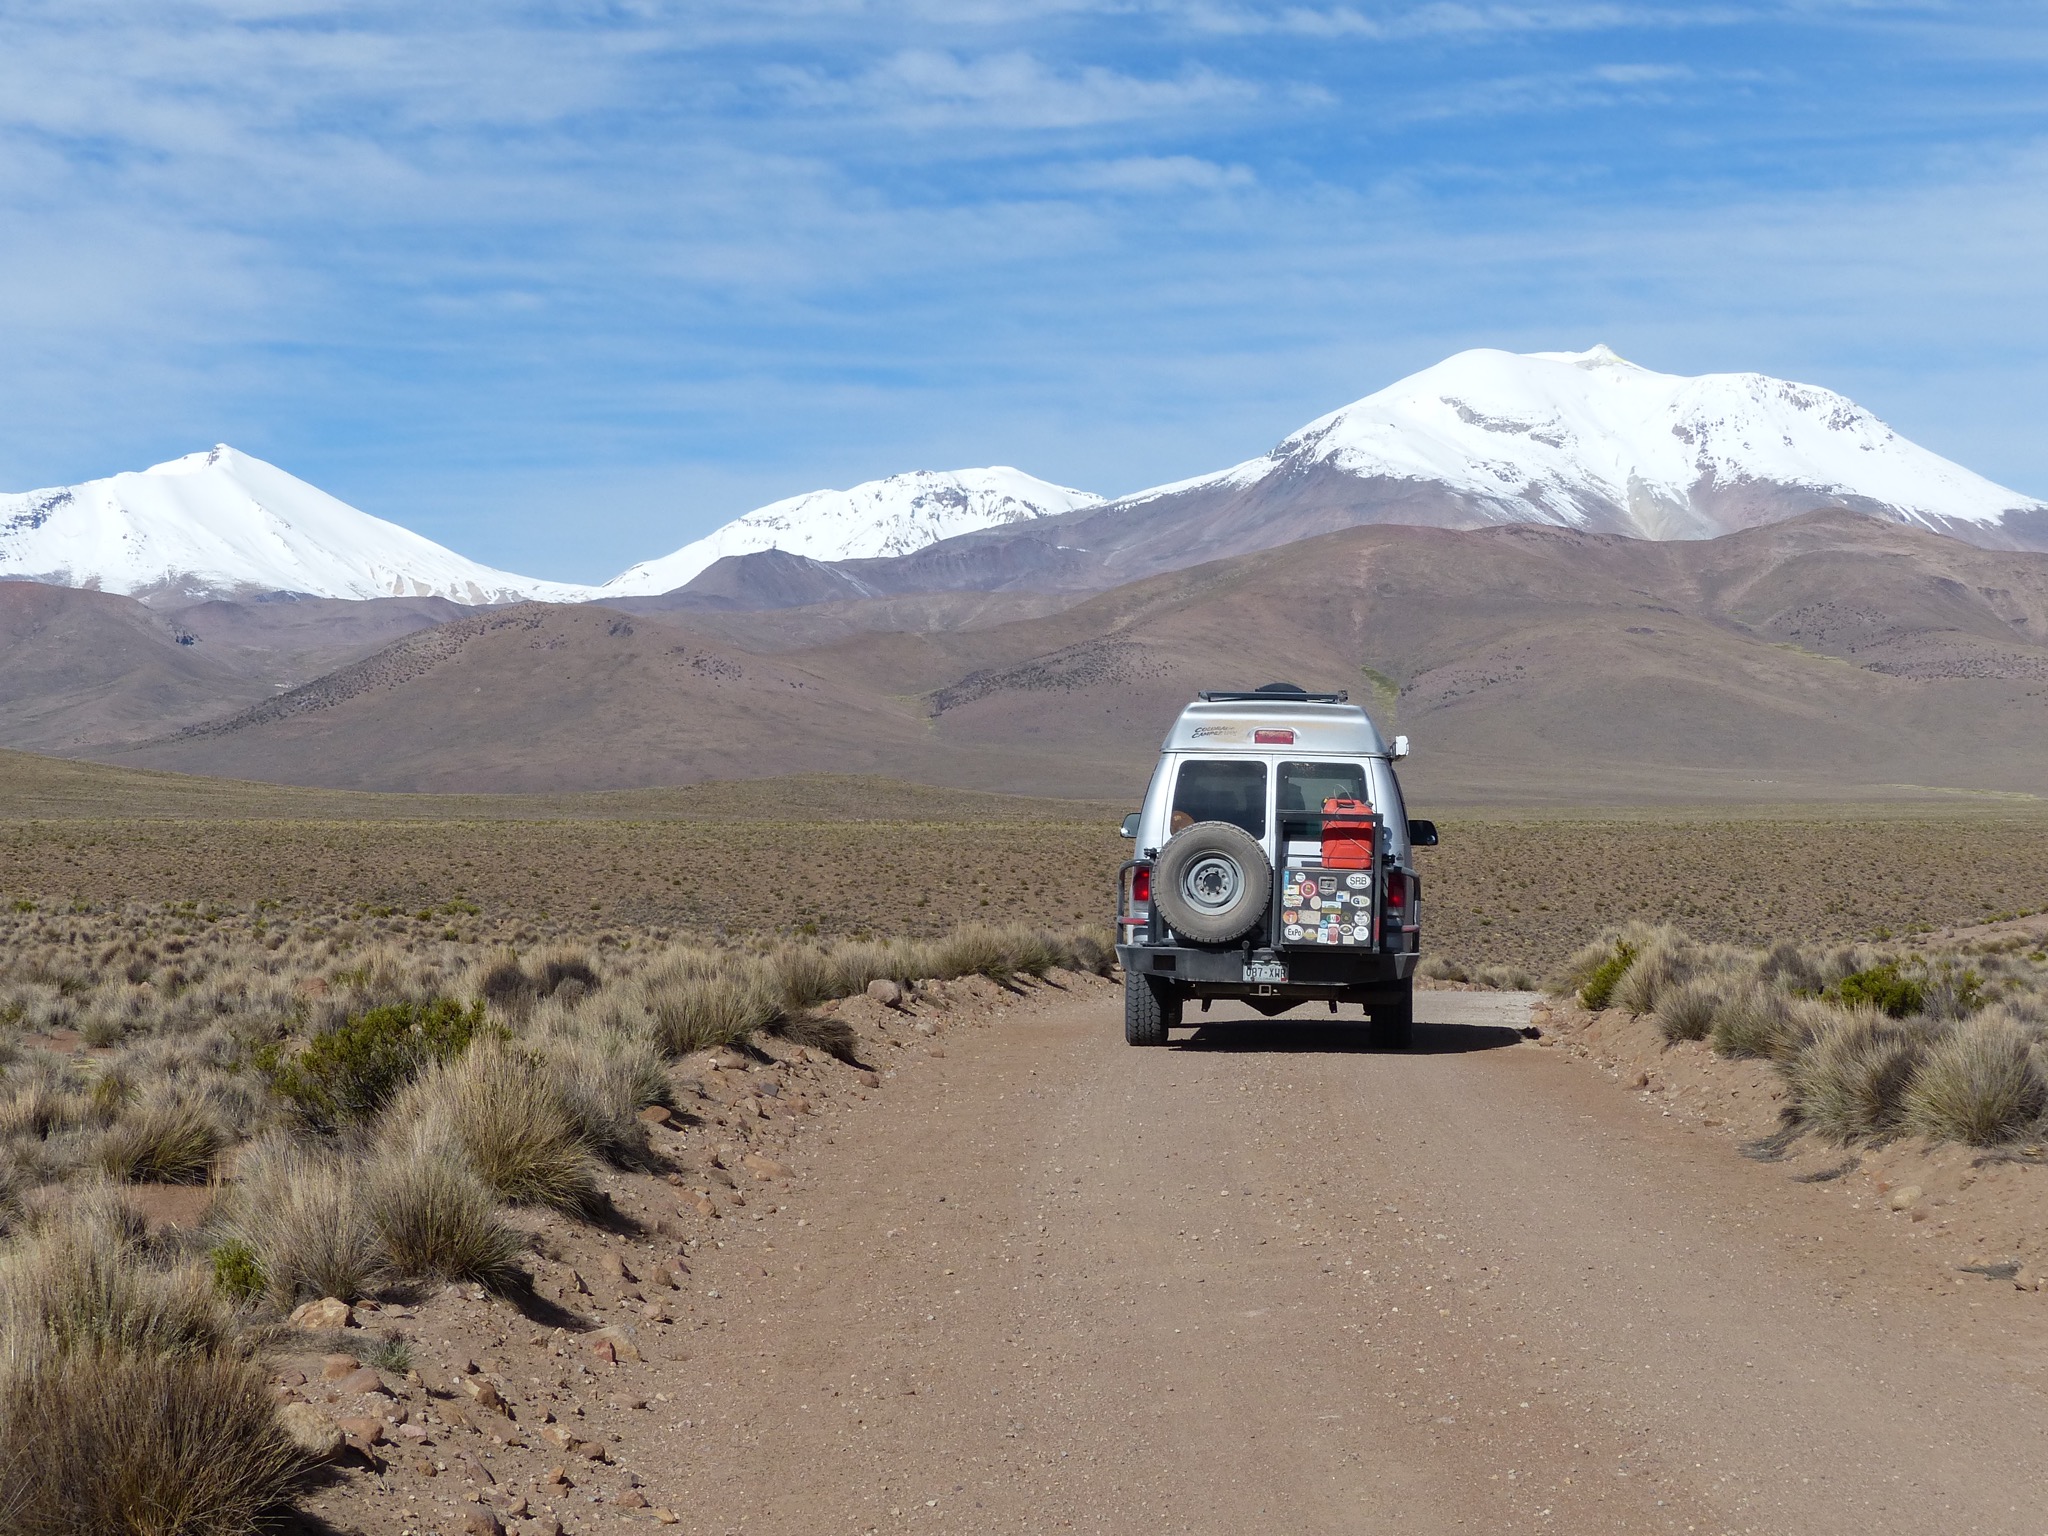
{"x":1873,"y":1041}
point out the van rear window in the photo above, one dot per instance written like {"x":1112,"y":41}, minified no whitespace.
{"x":1221,"y":791}
{"x":1305,"y":786}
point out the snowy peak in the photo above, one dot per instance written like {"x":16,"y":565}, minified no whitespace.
{"x":1591,"y":440}
{"x":894,"y":516}
{"x":222,"y":523}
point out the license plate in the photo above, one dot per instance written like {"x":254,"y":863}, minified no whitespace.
{"x":1265,"y":970}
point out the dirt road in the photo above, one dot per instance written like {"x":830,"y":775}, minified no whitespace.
{"x":1270,"y":1280}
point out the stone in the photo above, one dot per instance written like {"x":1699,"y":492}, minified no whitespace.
{"x":484,"y":1391}
{"x":324,"y":1315}
{"x":556,"y":1477}
{"x":512,"y":1506}
{"x":703,"y":1207}
{"x":1904,"y":1199}
{"x":665,"y":1516}
{"x":925,"y":1027}
{"x":546,"y":1525}
{"x":762,"y":1166}
{"x":416,"y":1433}
{"x":361,"y":1427}
{"x":632,"y":1498}
{"x":619,"y":1338}
{"x":318,"y":1436}
{"x":655,"y":1114}
{"x":886,"y":992}
{"x":2026,"y":1280}
{"x":291,"y":1378}
{"x":481,"y":1522}
{"x":591,"y":1450}
{"x":362,"y":1381}
{"x":335,"y":1367}
{"x":655,"y":1311}
{"x":869,"y":1079}
{"x":615,"y":1266}
{"x":558,"y":1437}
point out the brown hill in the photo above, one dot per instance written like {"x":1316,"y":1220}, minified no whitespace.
{"x":1837,"y":656}
{"x":82,"y":669}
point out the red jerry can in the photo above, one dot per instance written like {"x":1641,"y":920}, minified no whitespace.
{"x":1349,"y":831}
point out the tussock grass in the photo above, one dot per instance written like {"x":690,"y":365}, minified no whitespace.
{"x":1688,"y":1010}
{"x":435,"y":1219}
{"x":1851,"y":1081}
{"x":507,"y":1119}
{"x":1982,"y":1083}
{"x":300,"y":1212}
{"x":602,"y":1081}
{"x":86,"y":1280}
{"x":142,"y":1445}
{"x":168,"y":1141}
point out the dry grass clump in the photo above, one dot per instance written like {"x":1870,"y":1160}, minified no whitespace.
{"x":1982,"y":1082}
{"x":124,"y":1404}
{"x":1850,"y":1083}
{"x":504,"y":1115}
{"x":300,"y":1214}
{"x":1688,"y":1010}
{"x":435,"y":1219}
{"x":602,"y":1081}
{"x":166,"y":1141}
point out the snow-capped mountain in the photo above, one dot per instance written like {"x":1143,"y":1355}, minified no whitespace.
{"x":1591,"y":440}
{"x":223,"y":523}
{"x":895,"y":516}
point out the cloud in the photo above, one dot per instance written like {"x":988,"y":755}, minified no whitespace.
{"x":1156,"y":174}
{"x":928,"y":88}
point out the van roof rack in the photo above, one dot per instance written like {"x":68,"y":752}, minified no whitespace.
{"x":1273,"y":693}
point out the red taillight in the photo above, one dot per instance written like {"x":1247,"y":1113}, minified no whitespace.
{"x":1141,"y":885}
{"x":1397,"y":892}
{"x":1273,"y":738}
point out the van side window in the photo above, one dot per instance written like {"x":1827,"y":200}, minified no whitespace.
{"x":1305,"y":786}
{"x":1221,"y":791}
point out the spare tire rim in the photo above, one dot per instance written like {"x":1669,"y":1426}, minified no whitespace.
{"x":1212,"y":883}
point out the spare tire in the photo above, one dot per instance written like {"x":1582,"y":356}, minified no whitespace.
{"x":1211,"y":882}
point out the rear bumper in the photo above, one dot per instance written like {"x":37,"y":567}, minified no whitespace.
{"x":1348,"y":976}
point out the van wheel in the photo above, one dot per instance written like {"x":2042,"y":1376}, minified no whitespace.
{"x":1150,"y":1010}
{"x":1393,"y":1022}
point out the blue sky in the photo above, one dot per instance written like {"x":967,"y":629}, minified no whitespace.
{"x":564,"y":285}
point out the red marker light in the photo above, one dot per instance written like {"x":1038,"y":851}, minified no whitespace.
{"x":1273,"y":738}
{"x":1141,"y":885}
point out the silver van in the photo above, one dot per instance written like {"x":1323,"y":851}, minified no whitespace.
{"x":1275,"y":863}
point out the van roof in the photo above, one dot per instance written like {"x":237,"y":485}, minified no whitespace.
{"x":1230,"y":726}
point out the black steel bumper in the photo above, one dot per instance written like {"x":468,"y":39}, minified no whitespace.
{"x":1346,"y":975}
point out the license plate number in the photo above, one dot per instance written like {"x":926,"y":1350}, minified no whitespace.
{"x":1265,"y":970}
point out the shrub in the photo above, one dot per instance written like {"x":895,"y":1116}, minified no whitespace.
{"x":507,"y":985}
{"x":237,"y":1272}
{"x":1981,"y":1083}
{"x":508,"y":1120}
{"x":301,"y":1213}
{"x":1441,"y":968}
{"x":1687,"y":1011}
{"x":434,"y":1218}
{"x":350,"y":1073}
{"x":1598,"y":990}
{"x":1881,"y":987}
{"x":153,"y":1445}
{"x":165,"y":1142}
{"x":1850,"y":1083}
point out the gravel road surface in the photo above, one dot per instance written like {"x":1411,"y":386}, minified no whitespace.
{"x":1271,"y":1280}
